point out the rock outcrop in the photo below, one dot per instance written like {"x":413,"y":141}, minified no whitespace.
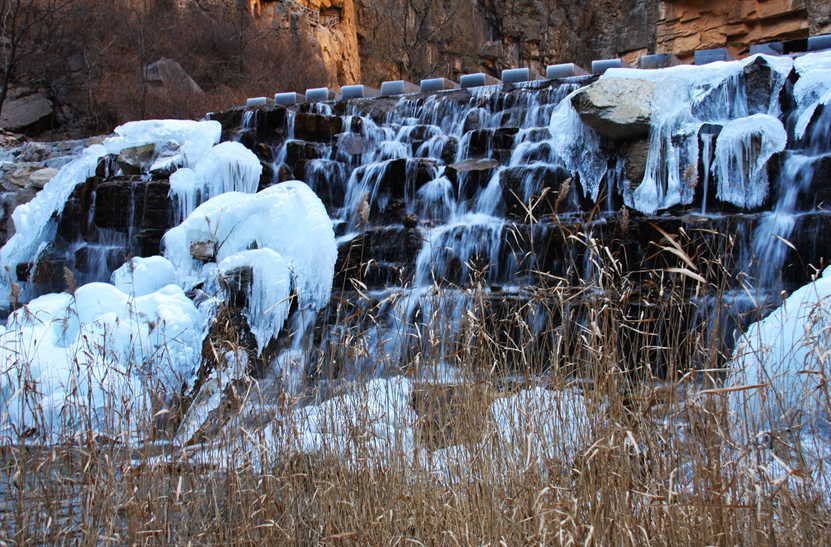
{"x":684,"y":26}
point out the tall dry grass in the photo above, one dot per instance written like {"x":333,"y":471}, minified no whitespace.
{"x":585,"y":411}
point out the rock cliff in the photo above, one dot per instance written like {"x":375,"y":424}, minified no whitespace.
{"x":369,"y":41}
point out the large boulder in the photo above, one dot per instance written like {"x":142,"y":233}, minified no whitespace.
{"x":31,"y":114}
{"x":170,"y":75}
{"x":616,"y":108}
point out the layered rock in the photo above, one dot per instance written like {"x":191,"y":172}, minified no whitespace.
{"x":685,"y":26}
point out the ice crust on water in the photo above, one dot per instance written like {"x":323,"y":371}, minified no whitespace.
{"x":376,"y":420}
{"x":93,"y":352}
{"x":742,"y":150}
{"x":269,"y":293}
{"x":142,"y":276}
{"x":289,"y":220}
{"x":685,"y":98}
{"x":227,"y":167}
{"x":813,"y":88}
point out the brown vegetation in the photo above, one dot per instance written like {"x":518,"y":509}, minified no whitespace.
{"x":94,"y":64}
{"x":613,"y":436}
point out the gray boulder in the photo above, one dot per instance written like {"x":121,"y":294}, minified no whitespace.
{"x":31,"y":114}
{"x":616,"y":108}
{"x":169,"y":74}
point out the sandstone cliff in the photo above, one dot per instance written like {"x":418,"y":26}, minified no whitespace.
{"x":369,"y":41}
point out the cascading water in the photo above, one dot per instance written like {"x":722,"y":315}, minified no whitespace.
{"x":441,"y":202}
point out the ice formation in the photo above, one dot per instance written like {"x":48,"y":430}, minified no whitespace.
{"x":85,"y":360}
{"x":289,"y":220}
{"x":142,"y":276}
{"x":813,"y":88}
{"x":685,"y":98}
{"x":32,"y":220}
{"x":269,"y":292}
{"x":742,"y":150}
{"x":194,"y":138}
{"x":781,"y":362}
{"x":227,"y":167}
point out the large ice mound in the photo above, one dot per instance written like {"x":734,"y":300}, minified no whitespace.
{"x":89,"y":359}
{"x":289,"y":220}
{"x":780,"y":365}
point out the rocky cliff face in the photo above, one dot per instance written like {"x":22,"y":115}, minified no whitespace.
{"x":686,"y":25}
{"x":369,"y":41}
{"x":331,"y":23}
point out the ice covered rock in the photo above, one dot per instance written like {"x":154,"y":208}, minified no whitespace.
{"x":289,"y":221}
{"x":91,"y":359}
{"x":813,"y":88}
{"x":616,"y":108}
{"x":684,"y":98}
{"x":33,"y":221}
{"x":268,"y":292}
{"x":743,"y":149}
{"x":227,"y":167}
{"x":194,"y":138}
{"x":133,"y":160}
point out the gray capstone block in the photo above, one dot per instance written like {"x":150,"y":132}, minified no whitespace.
{"x":819,"y":43}
{"x":477,"y":80}
{"x":256,"y":101}
{"x":437,"y":84}
{"x":771,"y":48}
{"x":564,"y":70}
{"x":289,"y":98}
{"x":318,"y":94}
{"x":659,"y":60}
{"x":706,"y":56}
{"x":398,"y":87}
{"x":358,"y":92}
{"x":602,"y":65}
{"x":518,"y":75}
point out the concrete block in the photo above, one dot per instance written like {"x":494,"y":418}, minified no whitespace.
{"x":565,"y":70}
{"x":819,"y":43}
{"x":602,"y":65}
{"x":517,"y":75}
{"x":318,"y":94}
{"x":771,"y":48}
{"x":706,"y":56}
{"x":398,"y":87}
{"x":289,"y":98}
{"x":479,"y":79}
{"x":437,"y":84}
{"x":659,"y":60}
{"x":358,"y":92}
{"x":256,"y":101}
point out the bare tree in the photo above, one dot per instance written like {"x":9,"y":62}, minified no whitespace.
{"x":409,"y":29}
{"x":26,"y":26}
